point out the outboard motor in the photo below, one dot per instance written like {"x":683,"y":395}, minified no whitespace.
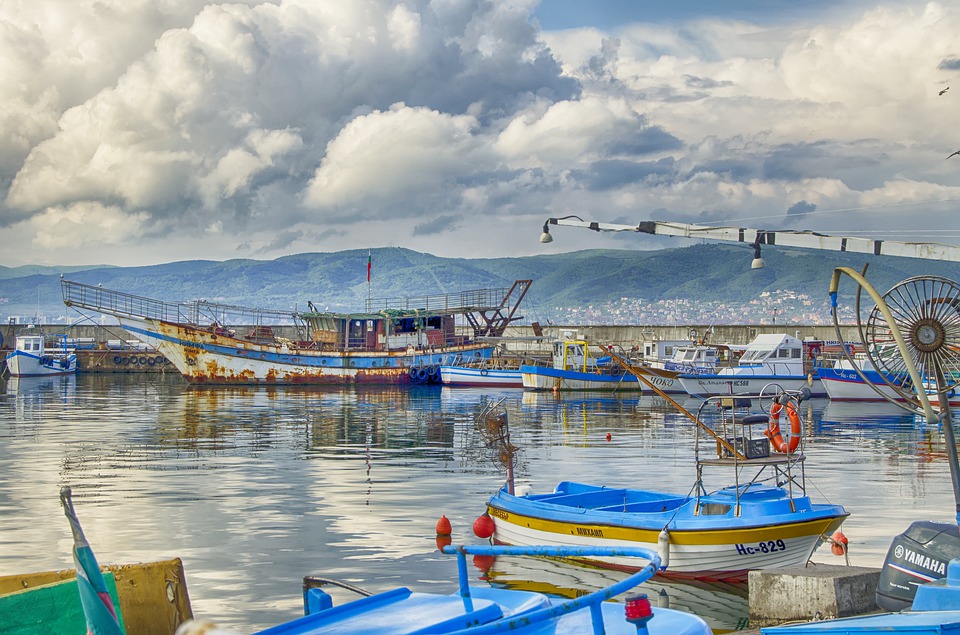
{"x":917,"y":556}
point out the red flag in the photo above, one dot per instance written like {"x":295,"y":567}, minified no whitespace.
{"x":369,"y":264}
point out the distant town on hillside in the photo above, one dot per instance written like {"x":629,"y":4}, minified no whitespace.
{"x":700,"y":284}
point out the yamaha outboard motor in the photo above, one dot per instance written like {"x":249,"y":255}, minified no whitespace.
{"x":917,"y":556}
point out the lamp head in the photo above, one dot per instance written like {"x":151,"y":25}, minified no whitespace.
{"x":545,"y":237}
{"x":758,"y":262}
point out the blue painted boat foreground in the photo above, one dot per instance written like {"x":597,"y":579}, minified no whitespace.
{"x":707,"y":533}
{"x":477,"y":610}
{"x":936,"y":609}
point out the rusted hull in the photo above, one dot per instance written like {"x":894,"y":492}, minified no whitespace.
{"x":206,"y":357}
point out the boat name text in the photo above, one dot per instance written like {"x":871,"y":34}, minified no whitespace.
{"x":764,"y":546}
{"x":499,"y":513}
{"x":589,"y":531}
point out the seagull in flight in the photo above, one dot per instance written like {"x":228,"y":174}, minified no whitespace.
{"x":953,"y":154}
{"x":944,"y":90}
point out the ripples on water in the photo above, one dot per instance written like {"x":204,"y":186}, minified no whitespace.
{"x":253,"y":488}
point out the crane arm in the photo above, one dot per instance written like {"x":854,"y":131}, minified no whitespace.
{"x":757,"y":237}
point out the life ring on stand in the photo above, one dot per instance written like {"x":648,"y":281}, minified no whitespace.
{"x":773,"y":431}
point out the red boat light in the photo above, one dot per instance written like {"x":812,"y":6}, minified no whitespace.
{"x":638,"y":608}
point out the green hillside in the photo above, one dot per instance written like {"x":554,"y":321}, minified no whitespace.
{"x":338,"y":281}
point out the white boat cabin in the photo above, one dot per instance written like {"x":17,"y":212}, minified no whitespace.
{"x":36,"y":345}
{"x":780,"y":353}
{"x":695,"y":358}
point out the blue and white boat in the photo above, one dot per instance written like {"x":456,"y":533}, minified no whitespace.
{"x":35,"y":356}
{"x":771,"y":358}
{"x":763,"y":520}
{"x":475,"y":609}
{"x":859,"y":380}
{"x":392,"y":341}
{"x":935,"y":611}
{"x":576,"y":368}
{"x":480,"y":375}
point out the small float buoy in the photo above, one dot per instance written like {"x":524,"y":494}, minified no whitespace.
{"x":838,"y":543}
{"x":443,"y":526}
{"x":483,"y":526}
{"x":609,"y":436}
{"x":443,"y":541}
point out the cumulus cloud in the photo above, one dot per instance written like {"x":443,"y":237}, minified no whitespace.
{"x":201,"y":129}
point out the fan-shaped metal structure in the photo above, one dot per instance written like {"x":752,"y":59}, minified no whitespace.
{"x":926,"y":312}
{"x":912,"y":337}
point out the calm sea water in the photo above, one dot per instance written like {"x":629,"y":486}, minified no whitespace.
{"x":253,"y":488}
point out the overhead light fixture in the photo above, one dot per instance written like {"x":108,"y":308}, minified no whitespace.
{"x":758,"y":262}
{"x":545,"y":237}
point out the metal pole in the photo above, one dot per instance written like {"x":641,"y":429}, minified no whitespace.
{"x":948,"y":435}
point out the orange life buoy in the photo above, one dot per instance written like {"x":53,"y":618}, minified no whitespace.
{"x":773,"y":431}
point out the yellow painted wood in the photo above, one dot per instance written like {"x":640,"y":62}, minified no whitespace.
{"x":153,"y":595}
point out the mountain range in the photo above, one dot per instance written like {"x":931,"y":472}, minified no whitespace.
{"x":337,"y":281}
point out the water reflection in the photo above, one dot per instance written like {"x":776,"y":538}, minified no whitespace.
{"x":723,"y":605}
{"x":254,"y":487}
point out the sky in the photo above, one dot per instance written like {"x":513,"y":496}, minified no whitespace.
{"x":138,"y":132}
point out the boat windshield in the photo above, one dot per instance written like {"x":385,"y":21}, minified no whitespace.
{"x":757,"y":354}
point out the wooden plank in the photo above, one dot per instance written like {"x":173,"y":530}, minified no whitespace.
{"x":52,"y":609}
{"x":153,"y":596}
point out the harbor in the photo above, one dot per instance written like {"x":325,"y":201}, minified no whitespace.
{"x":255,"y":487}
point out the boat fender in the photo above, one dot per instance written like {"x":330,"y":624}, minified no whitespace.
{"x":663,"y":547}
{"x":116,"y":359}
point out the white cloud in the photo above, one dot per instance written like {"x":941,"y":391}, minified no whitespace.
{"x":334,"y":124}
{"x":385,"y":157}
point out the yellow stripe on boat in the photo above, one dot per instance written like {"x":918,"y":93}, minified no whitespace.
{"x":813,"y":527}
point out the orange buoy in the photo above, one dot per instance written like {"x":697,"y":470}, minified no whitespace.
{"x":838,"y":543}
{"x":609,"y":436}
{"x":483,"y":526}
{"x":443,"y":541}
{"x":443,"y":527}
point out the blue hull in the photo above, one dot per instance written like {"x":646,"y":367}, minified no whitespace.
{"x":708,"y":536}
{"x":546,"y":378}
